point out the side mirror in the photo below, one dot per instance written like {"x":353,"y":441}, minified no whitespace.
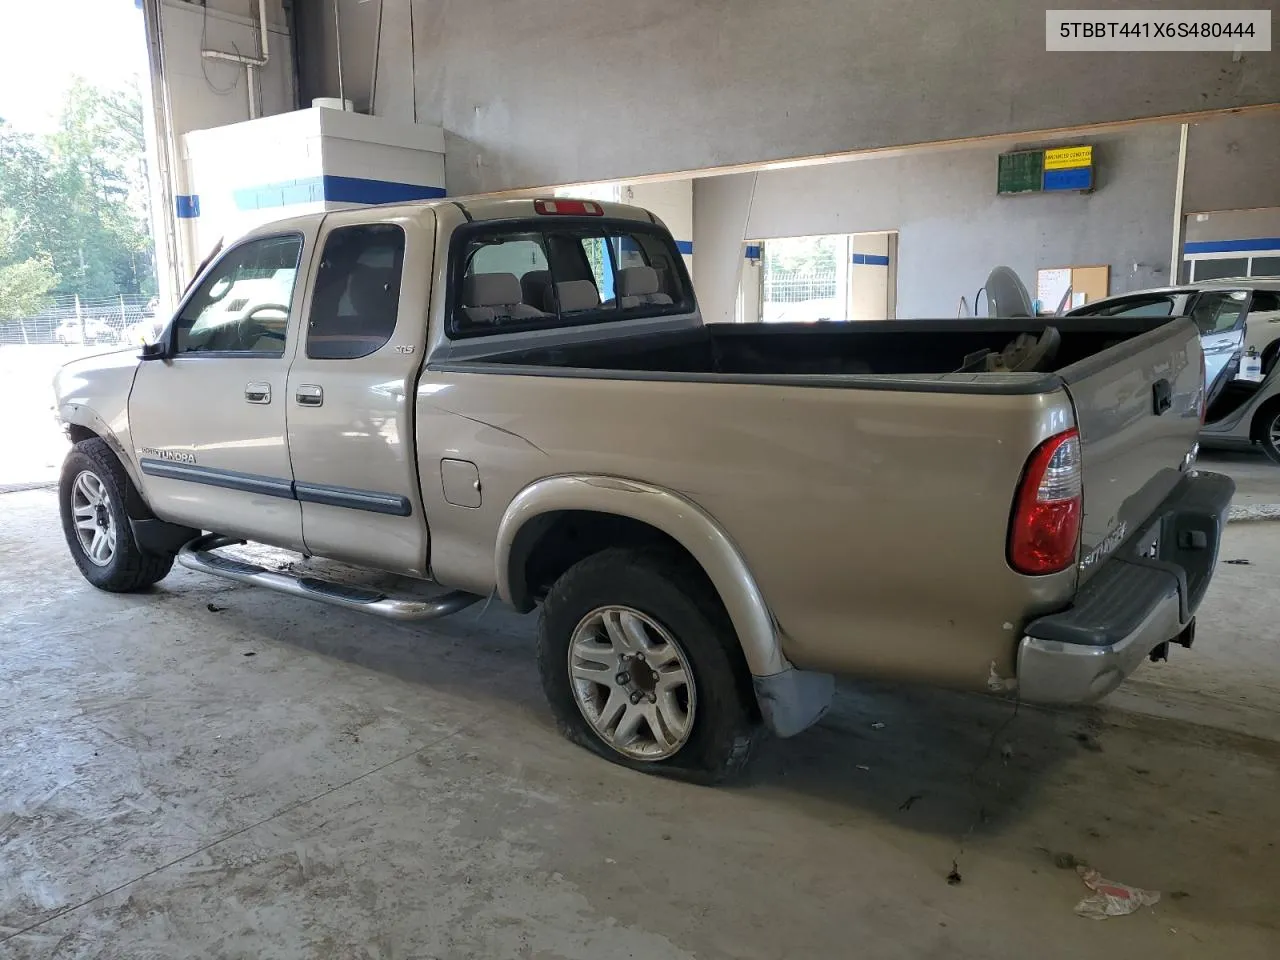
{"x":153,"y":351}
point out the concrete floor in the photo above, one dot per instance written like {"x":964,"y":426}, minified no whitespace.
{"x":268,"y":778}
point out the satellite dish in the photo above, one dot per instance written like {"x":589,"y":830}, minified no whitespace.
{"x":1006,"y":296}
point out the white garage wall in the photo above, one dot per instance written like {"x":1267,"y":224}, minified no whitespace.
{"x":953,"y":227}
{"x":566,"y":91}
{"x":209,"y":93}
{"x":1233,"y":163}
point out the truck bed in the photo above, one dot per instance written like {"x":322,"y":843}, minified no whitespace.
{"x":864,"y":431}
{"x":896,"y":348}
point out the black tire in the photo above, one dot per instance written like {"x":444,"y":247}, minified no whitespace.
{"x":725,"y":722}
{"x":129,"y":568}
{"x":1266,"y":429}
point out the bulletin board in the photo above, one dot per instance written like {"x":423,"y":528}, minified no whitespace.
{"x":1086,"y":283}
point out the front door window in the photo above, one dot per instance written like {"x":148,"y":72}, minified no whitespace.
{"x":242,"y":306}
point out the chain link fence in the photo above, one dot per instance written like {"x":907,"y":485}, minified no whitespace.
{"x":807,"y":295}
{"x":71,"y":321}
{"x":32,"y":349}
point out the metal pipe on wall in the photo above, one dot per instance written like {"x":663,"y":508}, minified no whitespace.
{"x":251,"y":64}
{"x":337,"y":36}
{"x":377,"y":51}
{"x":1175,"y":257}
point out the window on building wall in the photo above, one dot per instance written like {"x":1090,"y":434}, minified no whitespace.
{"x":1219,"y":269}
{"x":1265,"y":267}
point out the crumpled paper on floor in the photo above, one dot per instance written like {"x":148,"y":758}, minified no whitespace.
{"x":1111,"y":899}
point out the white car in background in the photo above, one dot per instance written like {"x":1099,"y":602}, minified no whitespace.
{"x":1234,"y":315}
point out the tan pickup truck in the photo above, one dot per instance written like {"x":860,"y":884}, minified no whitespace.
{"x":519,"y":398}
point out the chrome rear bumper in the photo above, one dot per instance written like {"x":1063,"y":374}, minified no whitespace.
{"x":1132,"y":605}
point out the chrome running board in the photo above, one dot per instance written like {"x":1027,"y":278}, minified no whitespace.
{"x":198,"y":555}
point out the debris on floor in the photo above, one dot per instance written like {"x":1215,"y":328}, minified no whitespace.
{"x":1111,"y":899}
{"x":1068,"y":861}
{"x":908,"y":803}
{"x":214,"y":608}
{"x":249,"y":653}
{"x":862,"y":766}
{"x":878,"y":725}
{"x":1240,"y":563}
{"x":1088,"y":741}
{"x":954,"y":878}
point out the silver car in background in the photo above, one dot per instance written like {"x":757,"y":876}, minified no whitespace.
{"x":1241,"y":413}
{"x":1234,"y":315}
{"x":1239,"y":323}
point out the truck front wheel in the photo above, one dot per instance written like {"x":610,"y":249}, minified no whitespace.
{"x":641,"y":666}
{"x":91,"y":497}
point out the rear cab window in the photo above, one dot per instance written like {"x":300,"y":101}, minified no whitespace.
{"x":545,"y":272}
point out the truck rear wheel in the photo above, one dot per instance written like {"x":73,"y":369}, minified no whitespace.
{"x":91,"y":498}
{"x":641,"y":666}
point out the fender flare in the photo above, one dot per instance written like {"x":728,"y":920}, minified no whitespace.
{"x":77,"y":414}
{"x":674,"y":515}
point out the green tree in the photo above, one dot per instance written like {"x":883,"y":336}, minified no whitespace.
{"x":24,"y":284}
{"x":79,"y":195}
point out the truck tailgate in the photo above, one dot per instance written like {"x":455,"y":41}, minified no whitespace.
{"x":1138,"y":412}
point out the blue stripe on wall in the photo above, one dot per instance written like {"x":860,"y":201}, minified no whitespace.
{"x":685,"y":247}
{"x":188,"y":206}
{"x":359,"y":190}
{"x":870,"y":260}
{"x":335,"y":189}
{"x":1233,"y":246}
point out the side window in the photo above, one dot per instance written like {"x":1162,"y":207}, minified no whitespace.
{"x":242,"y":306}
{"x":1264,"y":301}
{"x":1140,"y":307}
{"x":1218,"y":312}
{"x":357,"y":295}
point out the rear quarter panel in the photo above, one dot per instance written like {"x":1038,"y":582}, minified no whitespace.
{"x":874,"y":521}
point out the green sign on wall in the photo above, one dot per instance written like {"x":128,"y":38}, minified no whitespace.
{"x":1021,"y":172}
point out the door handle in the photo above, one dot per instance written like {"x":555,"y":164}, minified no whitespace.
{"x":257,"y":392}
{"x":309,"y":395}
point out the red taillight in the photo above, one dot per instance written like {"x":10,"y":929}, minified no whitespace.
{"x":568,"y":208}
{"x":1044,"y":534}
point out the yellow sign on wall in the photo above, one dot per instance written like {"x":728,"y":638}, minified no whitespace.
{"x":1068,"y":158}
